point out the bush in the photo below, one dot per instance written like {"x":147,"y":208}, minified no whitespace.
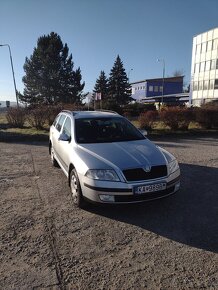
{"x":207,"y":116}
{"x":134,"y":110}
{"x":176,"y":117}
{"x":52,"y":112}
{"x":37,"y":116}
{"x":16,"y":117}
{"x":146,"y":120}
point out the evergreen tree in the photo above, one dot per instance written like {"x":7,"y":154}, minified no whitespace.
{"x":50,"y":77}
{"x":119,"y":88}
{"x":101,"y":85}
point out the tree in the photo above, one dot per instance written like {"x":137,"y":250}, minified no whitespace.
{"x":118,"y":84}
{"x":178,"y":73}
{"x":50,"y":77}
{"x":101,"y":86}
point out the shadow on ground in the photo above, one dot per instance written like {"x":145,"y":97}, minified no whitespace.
{"x":190,"y":216}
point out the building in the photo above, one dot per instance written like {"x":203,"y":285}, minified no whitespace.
{"x":156,"y":88}
{"x":204,"y":69}
{"x":6,"y":104}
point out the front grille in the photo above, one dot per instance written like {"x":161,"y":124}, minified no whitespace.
{"x":145,"y":196}
{"x":138,"y":174}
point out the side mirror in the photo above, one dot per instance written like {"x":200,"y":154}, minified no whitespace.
{"x":64,"y":137}
{"x":144,"y":132}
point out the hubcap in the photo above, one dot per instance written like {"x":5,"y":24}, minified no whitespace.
{"x":74,"y":188}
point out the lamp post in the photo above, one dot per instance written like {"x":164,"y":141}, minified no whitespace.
{"x":163,"y":61}
{"x":129,"y":73}
{"x":12,"y":68}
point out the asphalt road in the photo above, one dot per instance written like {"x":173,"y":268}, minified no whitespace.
{"x":46,"y":243}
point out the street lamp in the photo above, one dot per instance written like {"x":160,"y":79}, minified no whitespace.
{"x":12,"y":68}
{"x":129,"y":73}
{"x":162,"y":60}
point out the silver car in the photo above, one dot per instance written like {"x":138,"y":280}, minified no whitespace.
{"x":108,"y":160}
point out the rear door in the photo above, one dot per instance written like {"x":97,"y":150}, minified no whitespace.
{"x":65,"y":148}
{"x":56,"y":134}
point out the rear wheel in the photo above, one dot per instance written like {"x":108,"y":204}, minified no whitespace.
{"x":53,"y":160}
{"x":76,"y":191}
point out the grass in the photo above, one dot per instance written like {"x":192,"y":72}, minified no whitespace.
{"x":27,"y":131}
{"x":8,"y":133}
{"x":3,"y":119}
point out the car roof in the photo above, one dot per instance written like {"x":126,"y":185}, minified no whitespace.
{"x":91,"y":114}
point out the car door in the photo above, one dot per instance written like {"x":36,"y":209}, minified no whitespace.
{"x":65,"y":147}
{"x":56,"y":134}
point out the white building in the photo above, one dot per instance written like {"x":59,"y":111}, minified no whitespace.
{"x":204,"y":69}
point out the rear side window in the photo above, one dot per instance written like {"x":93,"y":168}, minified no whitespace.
{"x":60,"y":122}
{"x":67,"y":127}
{"x":55,"y":121}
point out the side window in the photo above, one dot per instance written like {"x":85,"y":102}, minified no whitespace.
{"x":55,"y":120}
{"x":60,"y":122}
{"x":67,"y":127}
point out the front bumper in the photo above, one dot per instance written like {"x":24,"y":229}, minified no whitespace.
{"x":125,"y":193}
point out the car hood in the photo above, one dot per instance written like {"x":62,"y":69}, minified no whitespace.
{"x":131,"y":154}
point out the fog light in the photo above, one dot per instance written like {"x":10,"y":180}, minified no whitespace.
{"x":106,"y":197}
{"x":177,"y":186}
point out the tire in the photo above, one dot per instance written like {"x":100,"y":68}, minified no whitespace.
{"x":76,"y":191}
{"x":53,"y":160}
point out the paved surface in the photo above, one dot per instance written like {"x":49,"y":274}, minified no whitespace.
{"x":48,"y":244}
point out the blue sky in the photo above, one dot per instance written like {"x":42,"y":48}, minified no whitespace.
{"x":96,"y":31}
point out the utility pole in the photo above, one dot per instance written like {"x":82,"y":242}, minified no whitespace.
{"x":12,"y":68}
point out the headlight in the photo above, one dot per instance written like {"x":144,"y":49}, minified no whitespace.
{"x":173,"y":166}
{"x":102,"y":174}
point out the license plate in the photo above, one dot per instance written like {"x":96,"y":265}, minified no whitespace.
{"x":150,"y":188}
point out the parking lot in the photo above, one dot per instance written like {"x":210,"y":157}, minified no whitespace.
{"x":46,"y":243}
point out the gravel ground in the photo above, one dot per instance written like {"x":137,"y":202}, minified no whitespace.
{"x":46,"y":243}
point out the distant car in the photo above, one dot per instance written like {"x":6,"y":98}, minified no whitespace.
{"x":108,"y":160}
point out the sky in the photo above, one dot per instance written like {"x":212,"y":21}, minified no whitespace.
{"x":96,"y":31}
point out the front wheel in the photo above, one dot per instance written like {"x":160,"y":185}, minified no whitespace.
{"x":76,"y":191}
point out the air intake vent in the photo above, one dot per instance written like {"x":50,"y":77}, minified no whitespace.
{"x":138,"y":174}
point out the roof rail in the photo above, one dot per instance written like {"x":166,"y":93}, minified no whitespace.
{"x":106,"y":111}
{"x":67,"y":111}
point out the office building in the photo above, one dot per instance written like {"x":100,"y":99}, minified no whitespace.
{"x":204,"y":69}
{"x":156,"y":88}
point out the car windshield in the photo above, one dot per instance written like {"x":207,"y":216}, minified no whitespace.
{"x":102,"y":130}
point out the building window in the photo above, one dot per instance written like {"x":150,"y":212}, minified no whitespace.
{"x":217,"y":64}
{"x":213,"y":64}
{"x":161,"y":88}
{"x":204,"y":47}
{"x":156,"y":88}
{"x":215,"y":44}
{"x":211,"y":85}
{"x":216,"y":84}
{"x":200,"y":87}
{"x":151,"y":88}
{"x":202,"y":66}
{"x":197,"y":68}
{"x":207,"y":67}
{"x":198,"y":48}
{"x":209,"y":45}
{"x":206,"y":85}
{"x":195,"y":86}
